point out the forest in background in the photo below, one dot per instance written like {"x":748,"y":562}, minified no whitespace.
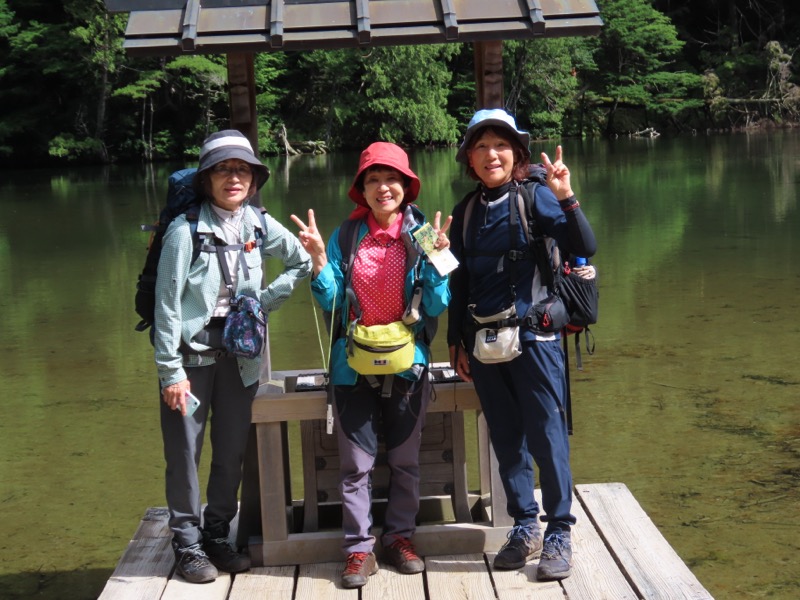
{"x":69,"y":94}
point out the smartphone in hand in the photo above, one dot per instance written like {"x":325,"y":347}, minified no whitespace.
{"x":192,"y":404}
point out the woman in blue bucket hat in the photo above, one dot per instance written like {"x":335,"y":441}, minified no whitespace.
{"x":516,"y":365}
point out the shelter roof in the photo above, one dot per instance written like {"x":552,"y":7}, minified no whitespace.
{"x":159,"y":27}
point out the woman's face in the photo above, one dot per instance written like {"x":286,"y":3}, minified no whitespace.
{"x":492,"y":159}
{"x":384,"y":190}
{"x":230,"y":182}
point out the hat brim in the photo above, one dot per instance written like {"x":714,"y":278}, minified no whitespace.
{"x":260,"y":170}
{"x":357,"y":196}
{"x":521,"y":136}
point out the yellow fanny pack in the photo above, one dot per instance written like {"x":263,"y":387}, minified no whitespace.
{"x":380,"y":349}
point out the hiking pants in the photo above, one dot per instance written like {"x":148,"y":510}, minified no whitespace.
{"x":229,"y":404}
{"x":523,"y":401}
{"x":362,"y":414}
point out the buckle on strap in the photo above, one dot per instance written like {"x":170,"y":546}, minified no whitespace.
{"x":516,"y":255}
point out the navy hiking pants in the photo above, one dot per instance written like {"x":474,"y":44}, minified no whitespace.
{"x":523,"y":401}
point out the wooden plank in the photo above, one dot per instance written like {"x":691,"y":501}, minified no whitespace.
{"x":521,"y":584}
{"x":179,"y":589}
{"x":388,"y":584}
{"x":430,"y":540}
{"x":462,"y":577}
{"x":271,"y":407}
{"x":649,"y":562}
{"x":146,"y":564}
{"x":323,"y":582}
{"x":595,"y":574}
{"x":264,"y":583}
{"x":273,"y":491}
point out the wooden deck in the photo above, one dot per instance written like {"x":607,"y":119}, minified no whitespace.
{"x":619,"y":554}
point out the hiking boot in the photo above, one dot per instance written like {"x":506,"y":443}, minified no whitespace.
{"x":193,"y":565}
{"x":556,"y":561}
{"x":524,"y":543}
{"x":223,"y":556}
{"x":403,"y":557}
{"x":360,"y":565}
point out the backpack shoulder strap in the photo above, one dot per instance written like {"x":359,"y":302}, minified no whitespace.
{"x":262,"y":219}
{"x":525,"y":205}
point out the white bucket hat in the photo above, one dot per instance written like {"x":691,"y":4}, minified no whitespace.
{"x":492,"y":117}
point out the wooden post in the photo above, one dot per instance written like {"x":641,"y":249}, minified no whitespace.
{"x":489,"y":74}
{"x":242,"y":99}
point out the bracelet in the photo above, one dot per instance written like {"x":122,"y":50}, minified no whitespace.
{"x":569,"y":204}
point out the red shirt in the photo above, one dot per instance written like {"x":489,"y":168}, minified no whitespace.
{"x":379,"y":273}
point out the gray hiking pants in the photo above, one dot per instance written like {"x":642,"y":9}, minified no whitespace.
{"x":362,"y":414}
{"x":224,"y":397}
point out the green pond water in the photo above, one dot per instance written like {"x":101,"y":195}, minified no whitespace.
{"x":691,"y":398}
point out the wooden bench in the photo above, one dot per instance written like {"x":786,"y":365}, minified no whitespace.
{"x":298,"y":396}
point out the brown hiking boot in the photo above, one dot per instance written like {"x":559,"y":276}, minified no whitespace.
{"x":360,"y":565}
{"x":403,"y":557}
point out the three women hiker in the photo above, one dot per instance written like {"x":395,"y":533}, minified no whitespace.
{"x":377,"y":282}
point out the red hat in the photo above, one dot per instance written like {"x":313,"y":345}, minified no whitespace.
{"x":387,"y":155}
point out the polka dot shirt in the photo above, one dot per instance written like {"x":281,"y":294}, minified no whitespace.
{"x":379,"y":274}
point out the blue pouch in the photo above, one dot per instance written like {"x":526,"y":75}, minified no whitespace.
{"x":245,"y":327}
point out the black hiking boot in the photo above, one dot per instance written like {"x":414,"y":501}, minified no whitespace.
{"x":524,"y":543}
{"x":193,"y":565}
{"x":556,"y":561}
{"x":223,"y":556}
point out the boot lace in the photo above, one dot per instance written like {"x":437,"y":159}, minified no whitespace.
{"x":553,"y":545}
{"x":193,"y":555}
{"x":521,"y":532}
{"x":405,"y":547}
{"x":354,"y":562}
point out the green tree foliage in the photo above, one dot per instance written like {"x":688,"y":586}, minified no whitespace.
{"x":746,"y":50}
{"x":406,"y":102}
{"x":636,"y":55}
{"x":543,"y":82}
{"x":68,"y":92}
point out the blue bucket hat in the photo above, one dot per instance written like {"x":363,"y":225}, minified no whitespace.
{"x":227,"y":144}
{"x":492,"y":117}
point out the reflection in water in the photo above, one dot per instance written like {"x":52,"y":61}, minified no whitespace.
{"x":690,"y":398}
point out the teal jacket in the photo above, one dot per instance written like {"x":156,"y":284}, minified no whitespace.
{"x":328,"y":288}
{"x":186,"y":292}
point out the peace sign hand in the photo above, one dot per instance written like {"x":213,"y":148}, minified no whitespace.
{"x":558,"y":179}
{"x":311,"y":240}
{"x":441,"y":232}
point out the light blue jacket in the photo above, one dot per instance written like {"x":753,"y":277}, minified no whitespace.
{"x":186,"y":293}
{"x":328,"y":288}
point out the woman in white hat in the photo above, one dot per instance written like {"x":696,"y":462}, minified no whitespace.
{"x":192,"y":302}
{"x":523,"y":390}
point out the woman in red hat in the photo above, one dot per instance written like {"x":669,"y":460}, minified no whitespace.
{"x":388,"y":267}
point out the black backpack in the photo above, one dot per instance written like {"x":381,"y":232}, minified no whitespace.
{"x":181,"y":200}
